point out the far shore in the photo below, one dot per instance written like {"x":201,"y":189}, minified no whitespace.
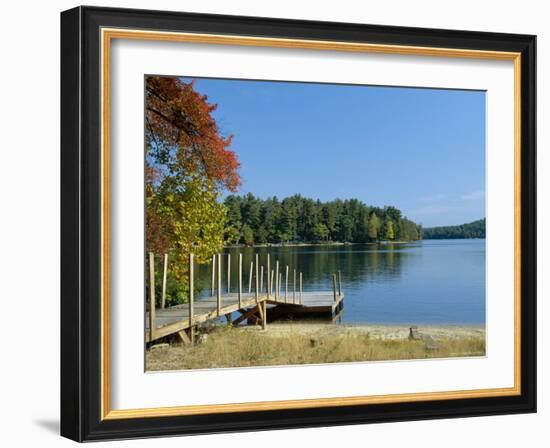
{"x":338,"y":243}
{"x":323,"y":243}
{"x":293,"y":343}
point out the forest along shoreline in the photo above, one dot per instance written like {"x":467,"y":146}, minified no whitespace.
{"x":312,"y":243}
{"x":252,"y":221}
{"x":471,"y":230}
{"x":295,"y":343}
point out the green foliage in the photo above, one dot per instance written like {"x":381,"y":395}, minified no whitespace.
{"x":390,"y":235}
{"x":409,"y":228}
{"x":177,"y":291}
{"x":262,"y":234}
{"x":373,"y":227}
{"x":234,"y":218}
{"x":475,"y":229}
{"x":198,"y":219}
{"x":232,"y":235}
{"x":196,"y":222}
{"x":247,"y":235}
{"x":320,"y":232}
{"x":299,"y":219}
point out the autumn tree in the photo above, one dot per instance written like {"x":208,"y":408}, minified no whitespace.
{"x":182,"y":135}
{"x":188,"y":163}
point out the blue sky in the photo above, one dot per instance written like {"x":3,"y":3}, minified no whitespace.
{"x":421,"y":150}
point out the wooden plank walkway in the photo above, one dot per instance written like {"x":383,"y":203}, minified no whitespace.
{"x":252,"y":305}
{"x":176,"y":318}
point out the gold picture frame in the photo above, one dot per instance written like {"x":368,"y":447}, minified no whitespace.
{"x":109,"y":25}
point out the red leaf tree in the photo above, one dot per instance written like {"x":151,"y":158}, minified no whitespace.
{"x":181,"y":133}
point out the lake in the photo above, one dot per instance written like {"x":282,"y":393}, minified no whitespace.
{"x":422,"y":282}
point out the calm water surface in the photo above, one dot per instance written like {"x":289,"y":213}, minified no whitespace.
{"x":425,"y":282}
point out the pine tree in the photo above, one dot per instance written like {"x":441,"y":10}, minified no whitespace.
{"x":248,"y":235}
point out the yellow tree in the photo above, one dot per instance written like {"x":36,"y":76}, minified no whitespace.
{"x":390,"y":234}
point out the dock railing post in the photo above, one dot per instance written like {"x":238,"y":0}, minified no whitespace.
{"x":219,"y":295}
{"x":151,"y":296}
{"x":279,"y":285}
{"x":228,"y":273}
{"x":294,"y":288}
{"x":271,"y":283}
{"x":276,"y":279}
{"x":240,"y":287}
{"x":286,"y":284}
{"x":250,"y":277}
{"x":261,"y":278}
{"x":165,"y":272}
{"x":301,"y":290}
{"x":213,"y":275}
{"x":191,"y":296}
{"x":267,"y":273}
{"x":256,"y":280}
{"x":339,"y":284}
{"x":334,"y":287}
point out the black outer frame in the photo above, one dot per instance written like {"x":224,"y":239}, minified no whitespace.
{"x":81,"y":220}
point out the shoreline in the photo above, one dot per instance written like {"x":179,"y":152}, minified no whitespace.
{"x":340,"y":243}
{"x":310,"y":244}
{"x":377,"y":331}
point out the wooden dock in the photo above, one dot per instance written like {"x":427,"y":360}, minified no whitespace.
{"x":278,"y":296}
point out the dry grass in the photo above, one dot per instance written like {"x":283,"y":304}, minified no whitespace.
{"x":245,"y":347}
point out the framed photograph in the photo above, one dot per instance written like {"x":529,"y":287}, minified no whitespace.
{"x":274,"y":223}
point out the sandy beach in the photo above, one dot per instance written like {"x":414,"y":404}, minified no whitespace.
{"x":376,"y":331}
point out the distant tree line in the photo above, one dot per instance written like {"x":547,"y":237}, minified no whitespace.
{"x":251,"y":220}
{"x":475,"y":229}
